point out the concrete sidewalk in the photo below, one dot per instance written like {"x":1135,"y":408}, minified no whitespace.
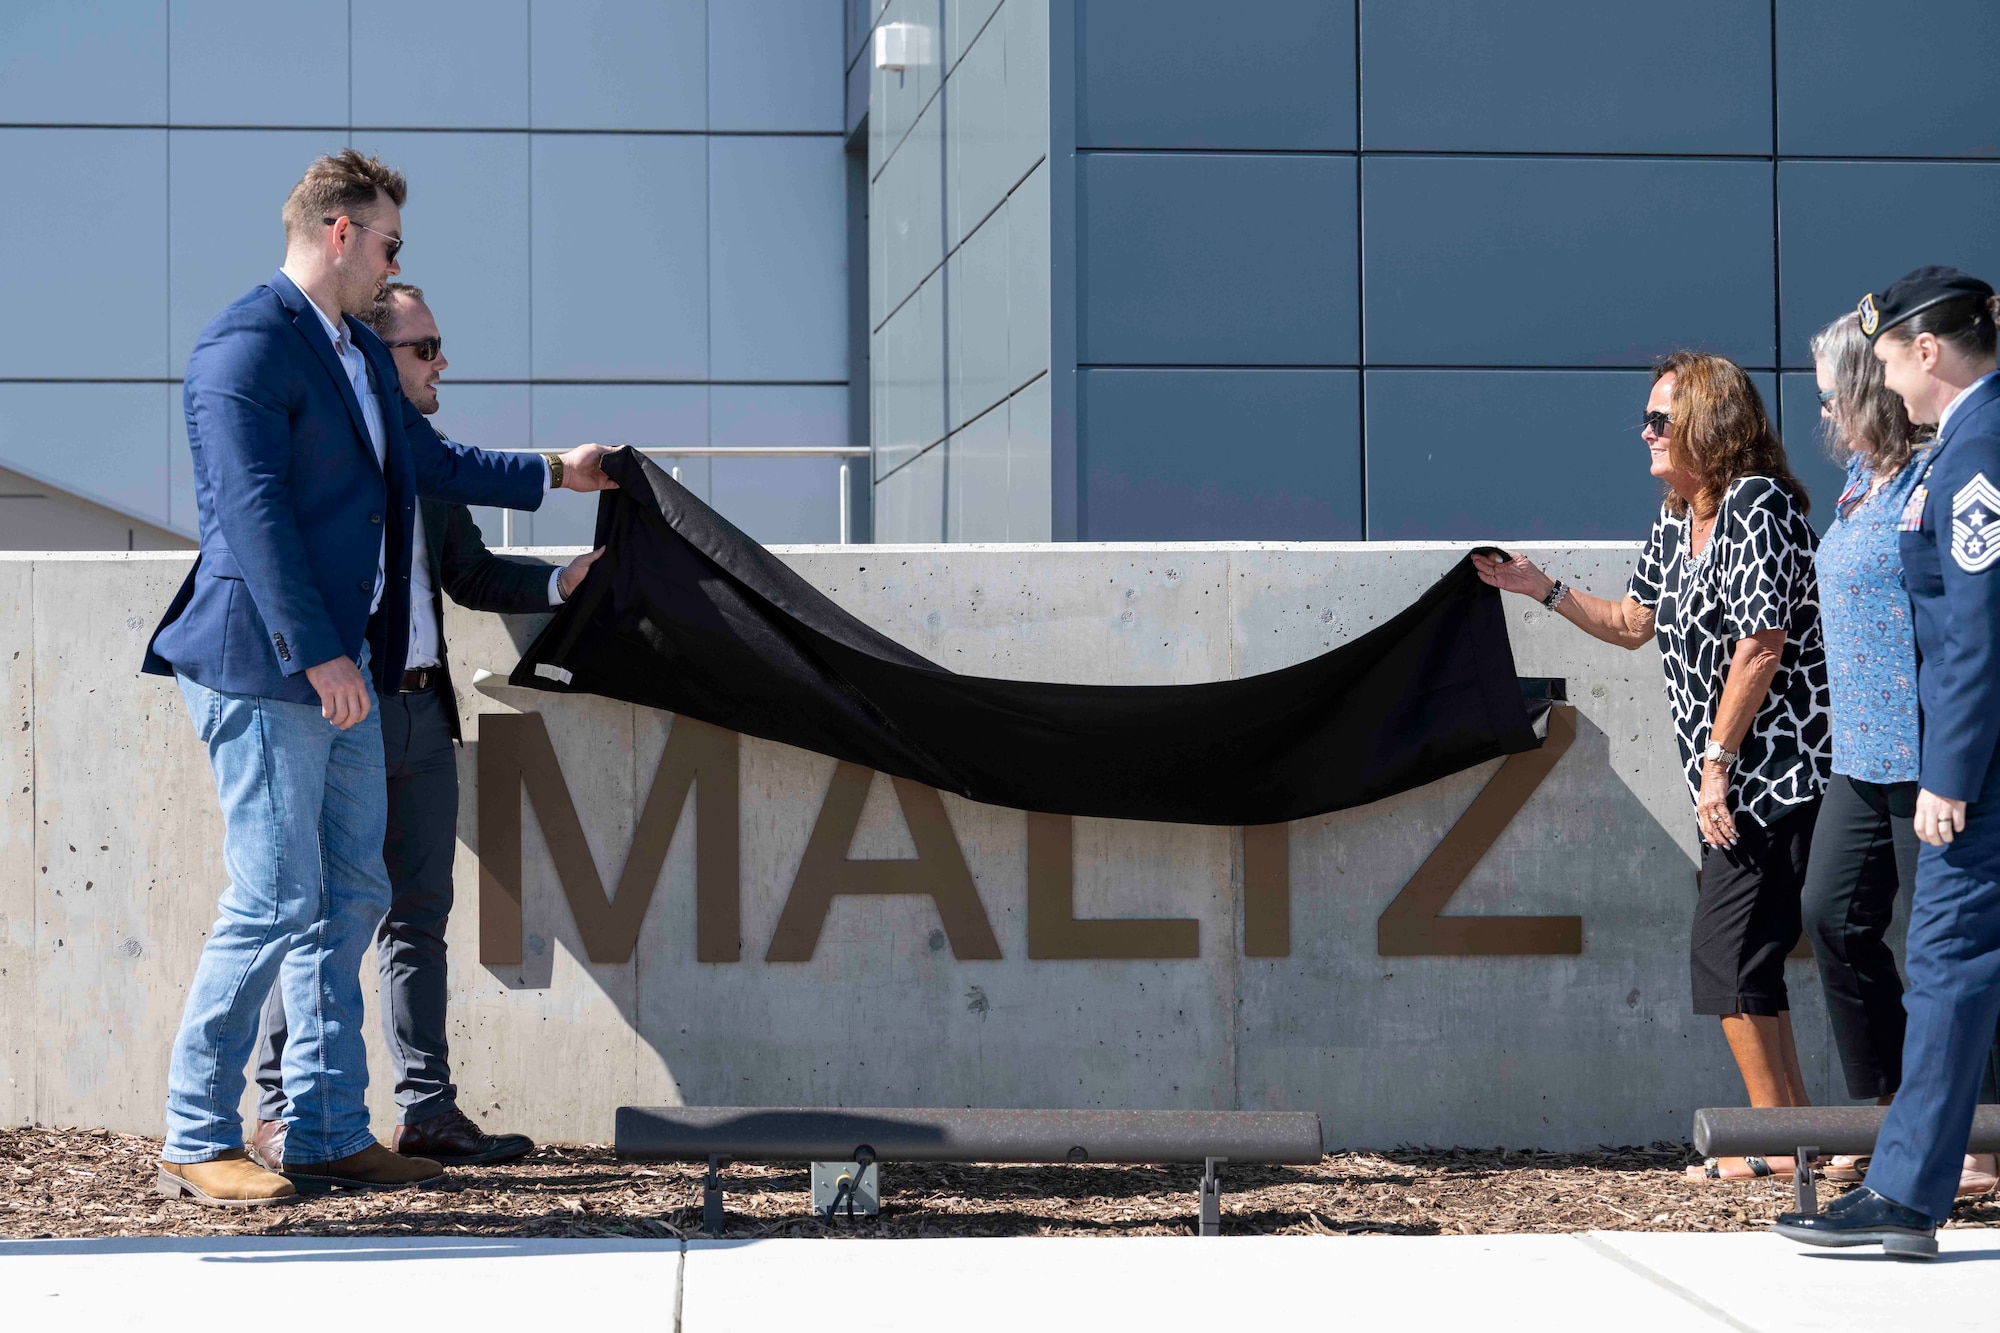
{"x":1631,"y":1281}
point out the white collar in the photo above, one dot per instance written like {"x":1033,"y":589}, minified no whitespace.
{"x":1945,"y":419}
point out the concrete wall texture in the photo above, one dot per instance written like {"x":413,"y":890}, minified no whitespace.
{"x":1396,"y":268}
{"x":110,"y":867}
{"x":629,"y":215}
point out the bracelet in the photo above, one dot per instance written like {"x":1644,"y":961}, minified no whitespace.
{"x":1556,"y":595}
{"x":555,"y":470}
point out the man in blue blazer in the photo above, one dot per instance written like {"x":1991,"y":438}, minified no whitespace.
{"x":308,"y":463}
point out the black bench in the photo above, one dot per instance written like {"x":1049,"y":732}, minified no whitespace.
{"x":722,"y":1134}
{"x":1808,"y":1131}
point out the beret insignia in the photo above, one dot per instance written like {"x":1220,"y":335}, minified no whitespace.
{"x":1870,"y":316}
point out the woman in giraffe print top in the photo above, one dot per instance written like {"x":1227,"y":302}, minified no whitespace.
{"x":1726,"y":587}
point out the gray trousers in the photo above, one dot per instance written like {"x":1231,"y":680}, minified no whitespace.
{"x":409,"y":944}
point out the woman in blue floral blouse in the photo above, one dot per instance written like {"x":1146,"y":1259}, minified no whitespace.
{"x":1864,"y":847}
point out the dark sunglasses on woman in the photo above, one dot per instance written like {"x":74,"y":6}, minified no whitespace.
{"x":427,"y":349}
{"x":1658,"y":422}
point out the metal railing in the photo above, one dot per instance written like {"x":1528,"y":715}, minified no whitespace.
{"x":842,"y":452}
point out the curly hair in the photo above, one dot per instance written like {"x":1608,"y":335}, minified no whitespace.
{"x":1720,"y":431}
{"x":1868,"y":419}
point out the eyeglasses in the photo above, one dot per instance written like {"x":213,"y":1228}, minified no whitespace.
{"x":427,"y":349}
{"x":391,"y":245}
{"x":1826,"y":397}
{"x":1657,"y":422}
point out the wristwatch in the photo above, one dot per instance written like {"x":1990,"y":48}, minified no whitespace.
{"x":555,"y":470}
{"x":1716,"y":754}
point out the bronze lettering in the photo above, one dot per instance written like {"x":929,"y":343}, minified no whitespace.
{"x":515,"y":753}
{"x":825,"y":872}
{"x":1267,"y":891}
{"x":1413,"y":923}
{"x":1054,"y":931}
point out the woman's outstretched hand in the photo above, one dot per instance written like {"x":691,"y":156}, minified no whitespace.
{"x":1518,"y":574}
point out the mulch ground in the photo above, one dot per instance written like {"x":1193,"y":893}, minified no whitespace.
{"x":73,"y":1183}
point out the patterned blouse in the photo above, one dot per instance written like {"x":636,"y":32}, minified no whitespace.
{"x":1756,"y":573}
{"x":1871,"y":652}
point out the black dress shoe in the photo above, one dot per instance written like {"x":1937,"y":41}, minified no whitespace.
{"x":1863,"y":1217}
{"x":454,"y":1140}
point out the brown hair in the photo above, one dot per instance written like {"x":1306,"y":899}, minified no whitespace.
{"x":1868,"y":419}
{"x":1720,"y":431}
{"x":1966,"y":322}
{"x":381,"y":316}
{"x":342,"y":183}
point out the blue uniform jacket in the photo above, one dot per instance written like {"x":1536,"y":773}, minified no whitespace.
{"x":294,"y":507}
{"x":1952,"y":568}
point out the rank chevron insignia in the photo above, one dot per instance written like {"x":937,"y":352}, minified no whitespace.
{"x":1975,"y":525}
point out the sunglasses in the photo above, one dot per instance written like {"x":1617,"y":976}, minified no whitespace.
{"x":1826,"y":397}
{"x":1657,"y":422}
{"x":427,"y":349}
{"x":391,"y":245}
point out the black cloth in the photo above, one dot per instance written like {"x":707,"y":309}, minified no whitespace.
{"x":475,"y":578}
{"x":409,"y":944}
{"x":1746,"y":915}
{"x":687,"y":614}
{"x":1864,"y":850}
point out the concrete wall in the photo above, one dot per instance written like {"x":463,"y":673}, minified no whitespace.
{"x":629,"y":216}
{"x":109,"y":869}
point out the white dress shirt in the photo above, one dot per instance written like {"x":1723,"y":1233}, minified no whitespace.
{"x":1944,"y":418}
{"x":425,"y":635}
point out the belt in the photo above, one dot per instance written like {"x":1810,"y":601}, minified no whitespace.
{"x":418,"y":679}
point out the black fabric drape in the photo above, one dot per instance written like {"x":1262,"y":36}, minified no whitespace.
{"x":686,"y":613}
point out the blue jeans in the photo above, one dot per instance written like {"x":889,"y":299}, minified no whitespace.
{"x":304,"y":810}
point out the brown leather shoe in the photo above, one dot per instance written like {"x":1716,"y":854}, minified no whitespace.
{"x":373,"y":1168}
{"x":267,"y":1144}
{"x":454,"y":1139}
{"x":229,"y":1181}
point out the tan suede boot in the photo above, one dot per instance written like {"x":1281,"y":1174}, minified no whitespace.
{"x":373,"y":1168}
{"x":229,"y":1181}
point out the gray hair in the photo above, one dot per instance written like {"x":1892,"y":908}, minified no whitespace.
{"x":1868,"y":419}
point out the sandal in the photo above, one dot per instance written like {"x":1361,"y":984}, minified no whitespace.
{"x":1981,"y":1175}
{"x":1711,"y":1169}
{"x":1845,"y":1170}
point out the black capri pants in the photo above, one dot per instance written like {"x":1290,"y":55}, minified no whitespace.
{"x":1746,"y":915}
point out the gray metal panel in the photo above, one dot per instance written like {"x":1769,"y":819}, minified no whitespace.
{"x":789,"y":1134}
{"x":1575,"y":76}
{"x":976,"y":481}
{"x":105,"y":442}
{"x":620,"y":246}
{"x":448,"y":64}
{"x":62,"y":63}
{"x":909,"y":203}
{"x":910,"y":368}
{"x":775,"y":65}
{"x":779,"y":499}
{"x":1864,"y":78}
{"x":1181,"y":74}
{"x":224,"y":236}
{"x":1497,"y":261}
{"x":490,"y":416}
{"x":255,"y":62}
{"x":777,"y":258}
{"x":1217,"y":258}
{"x":183,"y":514}
{"x":909,"y":503}
{"x":977,"y":280}
{"x":86,"y":290}
{"x":963,"y":22}
{"x":1847,"y":228}
{"x":1029,"y":480}
{"x":466,"y":225}
{"x":1027,"y":85}
{"x":1508,"y":455}
{"x":896,"y":97}
{"x":566,"y":415}
{"x":620,"y":65}
{"x":1732,"y":1131}
{"x":1028,"y":278}
{"x":1198,"y":455}
{"x":1805,"y":446}
{"x":978,"y":167}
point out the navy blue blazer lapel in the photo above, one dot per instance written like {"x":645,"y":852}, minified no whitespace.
{"x":307,"y":321}
{"x":1978,"y":398}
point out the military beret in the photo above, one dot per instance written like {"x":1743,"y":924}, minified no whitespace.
{"x":1919,"y":289}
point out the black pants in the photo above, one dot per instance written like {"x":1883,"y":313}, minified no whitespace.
{"x":409,"y":945}
{"x":1746,"y":915}
{"x":1863,"y":851}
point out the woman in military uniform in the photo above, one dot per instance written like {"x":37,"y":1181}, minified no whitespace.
{"x":1934,"y":333}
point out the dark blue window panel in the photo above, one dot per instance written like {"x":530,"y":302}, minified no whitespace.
{"x":1871,"y":79}
{"x":1184,"y":74}
{"x":1507,"y":261}
{"x":1566,"y":76}
{"x":1805,"y":445}
{"x":1216,"y":259}
{"x":1512,"y":455}
{"x":1853,"y":227}
{"x":1219,"y":455}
